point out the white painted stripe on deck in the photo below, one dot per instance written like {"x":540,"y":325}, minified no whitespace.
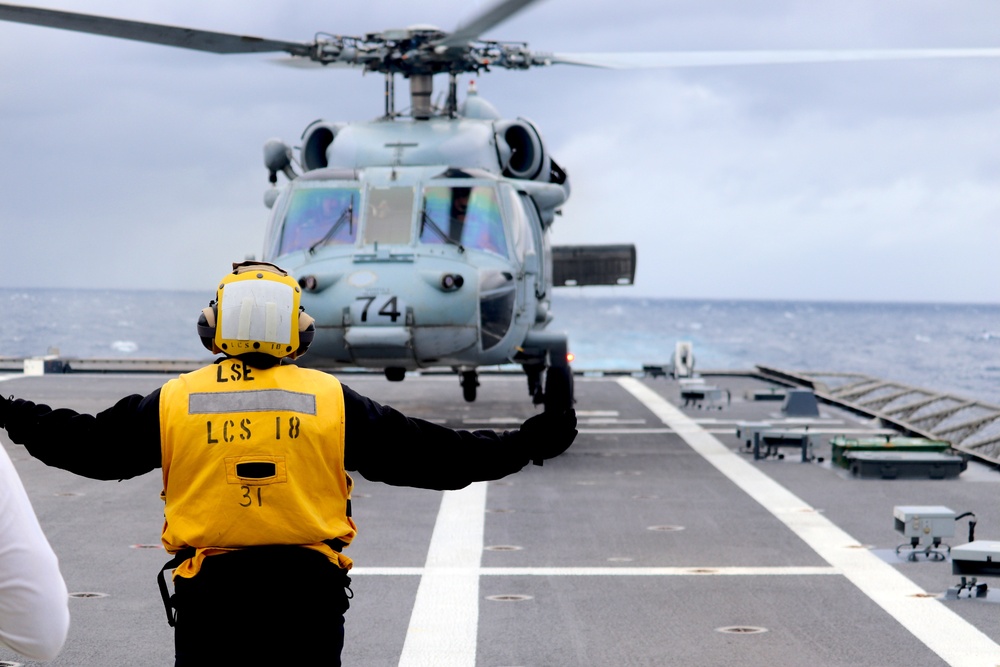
{"x":445,"y":620}
{"x":956,"y":641}
{"x":625,"y":571}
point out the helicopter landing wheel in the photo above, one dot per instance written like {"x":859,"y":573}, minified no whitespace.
{"x":393,"y":374}
{"x":470,"y":380}
{"x":558,"y":389}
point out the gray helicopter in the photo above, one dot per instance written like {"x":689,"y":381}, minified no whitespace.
{"x":421,"y":239}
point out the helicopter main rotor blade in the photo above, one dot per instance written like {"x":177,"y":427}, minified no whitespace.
{"x":477,"y":25}
{"x":186,"y":38}
{"x":648,"y":60}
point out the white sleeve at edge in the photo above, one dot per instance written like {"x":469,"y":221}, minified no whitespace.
{"x":34,"y":603}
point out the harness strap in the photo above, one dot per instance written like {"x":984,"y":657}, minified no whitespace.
{"x":168,"y":599}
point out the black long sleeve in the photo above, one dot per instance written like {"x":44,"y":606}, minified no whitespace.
{"x":381,"y":443}
{"x":385,"y":445}
{"x":118,"y":443}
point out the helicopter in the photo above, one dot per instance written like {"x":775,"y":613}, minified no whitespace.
{"x":371,"y":220}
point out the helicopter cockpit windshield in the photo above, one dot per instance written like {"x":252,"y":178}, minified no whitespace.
{"x":320,"y":216}
{"x":466,"y":216}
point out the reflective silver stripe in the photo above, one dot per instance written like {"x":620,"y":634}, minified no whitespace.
{"x":258,"y":400}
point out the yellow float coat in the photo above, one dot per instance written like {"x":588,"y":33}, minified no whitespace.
{"x":253,"y":457}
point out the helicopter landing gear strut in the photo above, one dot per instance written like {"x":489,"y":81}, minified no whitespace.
{"x":558,"y":388}
{"x":534,"y":373}
{"x":469,"y":381}
{"x":556,"y":392}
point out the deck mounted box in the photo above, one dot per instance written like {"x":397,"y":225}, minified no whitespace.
{"x":841,"y":446}
{"x":976,"y":558}
{"x":924,"y":521}
{"x":910,"y":465}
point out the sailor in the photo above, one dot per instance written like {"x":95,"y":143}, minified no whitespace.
{"x":256,"y":455}
{"x":34,"y":603}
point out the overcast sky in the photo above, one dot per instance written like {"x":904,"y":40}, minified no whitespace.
{"x":132,"y":165}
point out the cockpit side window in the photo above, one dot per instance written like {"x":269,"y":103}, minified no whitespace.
{"x":469,"y":216}
{"x":390,"y":216}
{"x":320,"y":216}
{"x":522,"y":220}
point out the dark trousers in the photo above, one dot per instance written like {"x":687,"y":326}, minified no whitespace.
{"x":262,"y":605}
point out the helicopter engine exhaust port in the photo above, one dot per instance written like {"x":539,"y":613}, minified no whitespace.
{"x":521,"y":151}
{"x":316,"y":141}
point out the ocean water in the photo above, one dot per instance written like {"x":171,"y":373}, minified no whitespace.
{"x":952,"y":348}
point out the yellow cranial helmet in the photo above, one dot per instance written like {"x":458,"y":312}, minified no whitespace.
{"x":256,"y":310}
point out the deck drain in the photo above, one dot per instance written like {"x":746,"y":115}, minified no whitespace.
{"x":741,"y":630}
{"x":500,"y":510}
{"x":508,"y":598}
{"x":620,"y":559}
{"x":146,"y":546}
{"x":504,"y":547}
{"x":7,"y":663}
{"x":703,"y":570}
{"x":665,"y":529}
{"x":88,"y":595}
{"x":68,"y":494}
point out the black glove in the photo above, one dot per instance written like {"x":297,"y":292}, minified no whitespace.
{"x":549,"y":434}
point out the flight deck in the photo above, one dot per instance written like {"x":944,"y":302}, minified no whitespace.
{"x":658,"y":538}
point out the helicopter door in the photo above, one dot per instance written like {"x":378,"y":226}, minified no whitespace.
{"x":523,"y":218}
{"x":537,"y":233}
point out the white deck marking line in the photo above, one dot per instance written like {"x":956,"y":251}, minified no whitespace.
{"x":625,"y":571}
{"x":951,"y":637}
{"x":444,"y":623}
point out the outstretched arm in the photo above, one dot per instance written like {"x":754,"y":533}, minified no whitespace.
{"x":118,"y":443}
{"x":384,"y":445}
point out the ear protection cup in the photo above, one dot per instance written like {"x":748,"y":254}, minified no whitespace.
{"x":209,"y":316}
{"x":206,"y":328}
{"x":307,"y":330}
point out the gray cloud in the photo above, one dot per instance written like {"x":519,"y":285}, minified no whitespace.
{"x":136,"y":165}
